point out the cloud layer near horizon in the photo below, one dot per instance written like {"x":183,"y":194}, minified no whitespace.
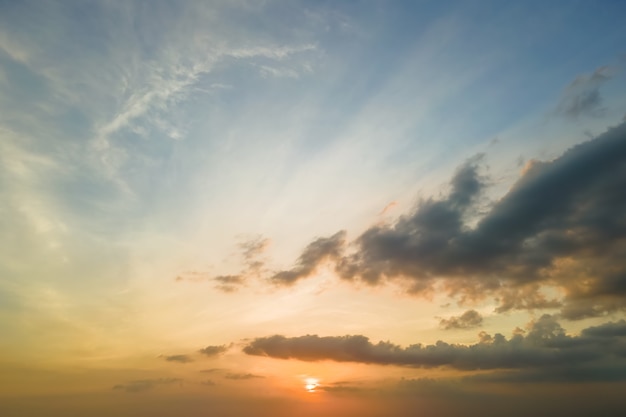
{"x":562,"y":225}
{"x":545,"y":348}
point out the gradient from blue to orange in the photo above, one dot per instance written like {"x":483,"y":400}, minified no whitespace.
{"x":181,"y":181}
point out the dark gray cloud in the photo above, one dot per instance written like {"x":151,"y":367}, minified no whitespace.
{"x":467,"y":320}
{"x":615,"y":329}
{"x":582,"y":96}
{"x":574,"y":372}
{"x":545,"y":346}
{"x":562,"y":224}
{"x":178,"y":358}
{"x":318,"y":251}
{"x":214,"y":350}
{"x":417,"y":244}
{"x":141,"y":385}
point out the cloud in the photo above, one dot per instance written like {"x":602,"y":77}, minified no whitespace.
{"x":242,"y":376}
{"x":275,"y":52}
{"x":193,"y":276}
{"x":469,"y":319}
{"x":231,"y":375}
{"x":251,"y":249}
{"x":228,"y":283}
{"x":170,"y":83}
{"x":208,"y":382}
{"x":343,"y":387}
{"x":251,"y":254}
{"x":268,"y":71}
{"x":318,"y":251}
{"x":545,"y":346}
{"x":561,"y":225}
{"x":178,"y":358}
{"x":214,"y":350}
{"x":211,"y":370}
{"x":574,"y":372}
{"x":616,"y":329}
{"x":418,"y":239}
{"x":141,"y":385}
{"x":582,"y":96}
{"x":130,"y":77}
{"x":388,"y":208}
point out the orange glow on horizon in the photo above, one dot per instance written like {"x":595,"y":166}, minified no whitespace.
{"x":311,"y":384}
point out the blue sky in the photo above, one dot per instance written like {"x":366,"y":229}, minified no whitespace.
{"x":162,"y":162}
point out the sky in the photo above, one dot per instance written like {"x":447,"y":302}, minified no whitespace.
{"x":278,"y":208}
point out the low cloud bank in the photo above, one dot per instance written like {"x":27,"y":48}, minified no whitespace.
{"x":545,"y":346}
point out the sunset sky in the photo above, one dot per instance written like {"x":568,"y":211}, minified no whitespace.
{"x":304,"y":208}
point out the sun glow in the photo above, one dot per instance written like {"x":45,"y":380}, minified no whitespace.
{"x":311,"y":384}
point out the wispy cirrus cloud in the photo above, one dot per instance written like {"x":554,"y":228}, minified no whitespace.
{"x":251,"y":254}
{"x":116,"y":86}
{"x":582,"y":96}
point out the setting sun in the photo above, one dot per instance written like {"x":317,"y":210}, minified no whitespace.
{"x":311,"y":384}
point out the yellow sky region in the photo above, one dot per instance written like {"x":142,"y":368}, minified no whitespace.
{"x":155,"y":315}
{"x":232,"y":373}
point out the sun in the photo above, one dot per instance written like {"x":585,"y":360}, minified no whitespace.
{"x":310,"y":384}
